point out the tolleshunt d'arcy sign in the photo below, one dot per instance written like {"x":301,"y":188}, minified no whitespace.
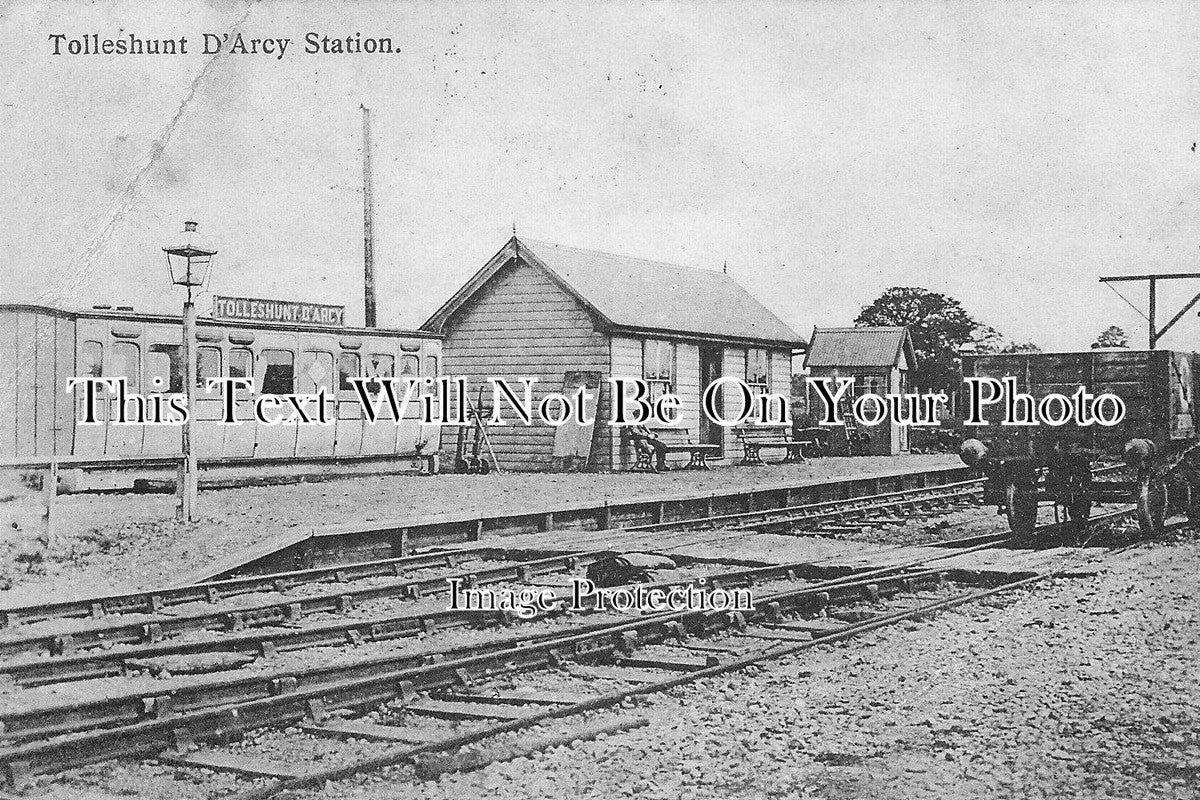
{"x":256,"y":310}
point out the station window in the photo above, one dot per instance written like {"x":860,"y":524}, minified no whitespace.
{"x":164,"y":368}
{"x":868,"y":384}
{"x":658,"y":366}
{"x":208,"y":365}
{"x":126,"y":362}
{"x":348,"y":367}
{"x":316,"y":371}
{"x":431,"y":366}
{"x":813,"y":399}
{"x":279,"y":373}
{"x":758,"y":372}
{"x":91,"y":361}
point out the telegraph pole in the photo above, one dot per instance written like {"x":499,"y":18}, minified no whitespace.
{"x":1152,"y":279}
{"x":368,"y":227}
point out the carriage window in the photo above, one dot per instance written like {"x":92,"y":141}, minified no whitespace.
{"x":208,"y":364}
{"x":164,"y":362}
{"x":757,"y":372}
{"x":279,"y":375}
{"x":316,"y":371}
{"x":409,"y":370}
{"x":382,"y":367}
{"x":658,"y":366}
{"x":91,"y":360}
{"x":431,"y":366}
{"x":241,"y":363}
{"x":125,"y":361}
{"x":348,"y":367}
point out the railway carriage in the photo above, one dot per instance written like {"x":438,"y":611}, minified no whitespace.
{"x":1157,"y":438}
{"x":41,"y":348}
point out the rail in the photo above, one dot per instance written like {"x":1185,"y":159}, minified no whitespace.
{"x":136,"y":722}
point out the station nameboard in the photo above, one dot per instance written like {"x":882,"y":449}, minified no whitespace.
{"x":256,"y":310}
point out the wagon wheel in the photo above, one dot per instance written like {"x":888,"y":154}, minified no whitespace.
{"x":1151,"y":503}
{"x":1193,"y":502}
{"x":1077,"y":499}
{"x":1078,"y":508}
{"x":1022,"y":508}
{"x":1183,"y":489}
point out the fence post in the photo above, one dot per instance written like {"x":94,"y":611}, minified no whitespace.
{"x":49,"y":493}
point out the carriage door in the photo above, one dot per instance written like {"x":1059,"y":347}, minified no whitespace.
{"x":164,"y":375}
{"x":408,"y":430}
{"x":89,"y":439}
{"x":379,"y":437}
{"x":316,"y":374}
{"x":208,"y":433}
{"x":348,"y":431}
{"x":275,"y":374}
{"x":124,"y":361}
{"x":237,"y":441}
{"x":710,"y":370}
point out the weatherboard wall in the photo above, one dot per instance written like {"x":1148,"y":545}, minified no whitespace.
{"x":627,"y":361}
{"x":521,"y":324}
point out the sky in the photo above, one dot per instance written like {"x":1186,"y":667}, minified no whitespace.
{"x":1005,"y":154}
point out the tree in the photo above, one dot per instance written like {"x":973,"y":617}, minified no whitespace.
{"x":1112,"y":336}
{"x":938,"y":324}
{"x":1020,"y":347}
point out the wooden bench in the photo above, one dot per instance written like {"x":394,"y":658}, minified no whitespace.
{"x":676,"y":440}
{"x":815,"y":441}
{"x":755,"y":439}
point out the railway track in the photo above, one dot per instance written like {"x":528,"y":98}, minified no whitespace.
{"x":142,"y":719}
{"x":778,"y":639}
{"x":143,"y":624}
{"x":805,"y":518}
{"x":153,"y":601}
{"x":271,"y":639}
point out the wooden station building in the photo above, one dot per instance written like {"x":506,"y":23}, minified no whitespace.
{"x":573,"y":317}
{"x":878,"y":359}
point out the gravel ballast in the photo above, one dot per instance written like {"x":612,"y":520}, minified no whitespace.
{"x":1073,"y":688}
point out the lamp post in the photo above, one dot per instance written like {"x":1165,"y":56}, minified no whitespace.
{"x":188,"y":264}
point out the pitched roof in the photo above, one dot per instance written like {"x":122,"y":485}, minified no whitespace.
{"x":859,"y":347}
{"x":638,"y":295}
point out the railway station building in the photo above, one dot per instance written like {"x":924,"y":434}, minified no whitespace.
{"x":572,"y":317}
{"x":878,"y":359}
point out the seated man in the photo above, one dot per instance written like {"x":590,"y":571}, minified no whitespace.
{"x":646,"y":442}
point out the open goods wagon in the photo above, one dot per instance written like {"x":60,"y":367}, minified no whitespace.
{"x":1030,"y":465}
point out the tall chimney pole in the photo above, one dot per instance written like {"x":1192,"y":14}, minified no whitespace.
{"x":368,"y":227}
